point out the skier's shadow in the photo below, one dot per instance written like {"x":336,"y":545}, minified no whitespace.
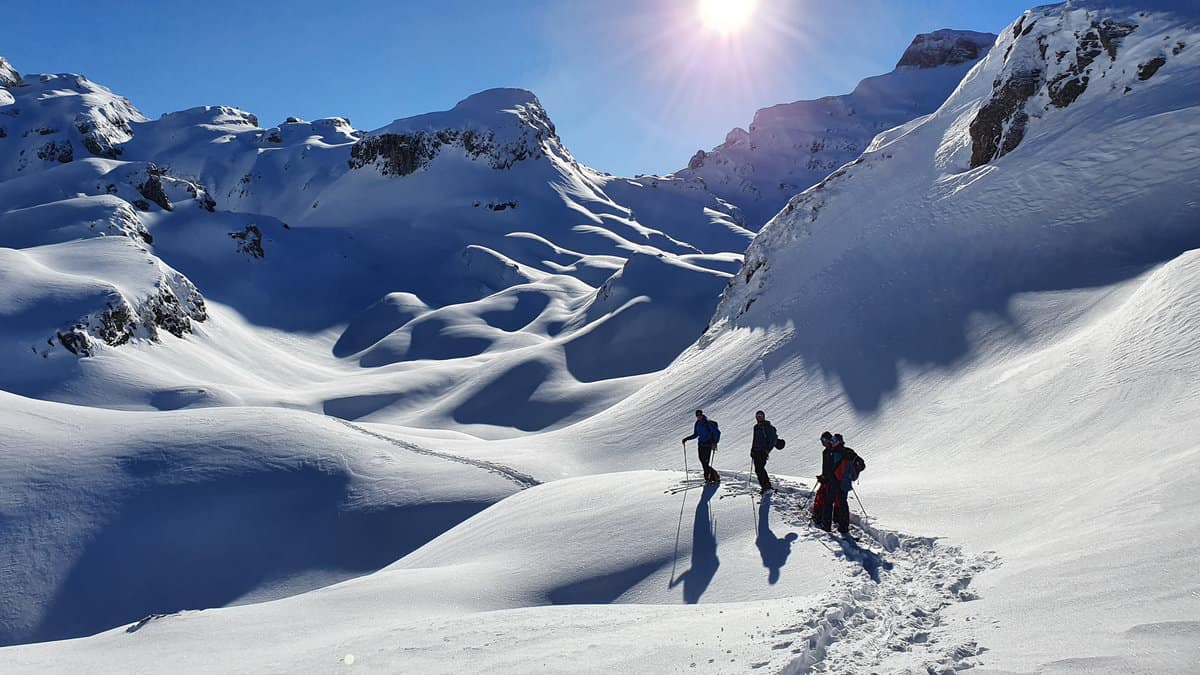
{"x":696,"y":579}
{"x":871,"y":561}
{"x":774,"y":550}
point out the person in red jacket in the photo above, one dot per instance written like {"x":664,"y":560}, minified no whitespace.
{"x":839,"y":469}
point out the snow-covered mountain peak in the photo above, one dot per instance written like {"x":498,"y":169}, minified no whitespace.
{"x":55,"y":118}
{"x":946,"y":47}
{"x":503,"y":126}
{"x":9,"y":77}
{"x":210,"y":116}
{"x":791,"y":146}
{"x":1053,"y":57}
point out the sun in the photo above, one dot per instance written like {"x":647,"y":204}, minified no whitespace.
{"x":727,"y":16}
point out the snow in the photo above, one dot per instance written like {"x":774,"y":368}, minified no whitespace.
{"x":435,"y":425}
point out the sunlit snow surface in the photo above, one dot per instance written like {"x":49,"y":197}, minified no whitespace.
{"x":1012,"y":346}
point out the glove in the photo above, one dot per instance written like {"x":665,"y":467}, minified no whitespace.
{"x":820,"y":479}
{"x":684,"y":441}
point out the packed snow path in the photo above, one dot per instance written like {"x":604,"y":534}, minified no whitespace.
{"x":523,"y":480}
{"x":886,"y":614}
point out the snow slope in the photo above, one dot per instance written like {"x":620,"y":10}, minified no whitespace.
{"x":106,"y":515}
{"x":1012,"y":343}
{"x":572,"y":588}
{"x":792,"y":146}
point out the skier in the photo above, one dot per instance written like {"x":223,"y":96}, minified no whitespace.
{"x":760,"y":450}
{"x":706,"y":433}
{"x":839,"y":469}
{"x":821,"y":496}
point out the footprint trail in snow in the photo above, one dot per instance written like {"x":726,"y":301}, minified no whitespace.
{"x":523,"y":480}
{"x":886,"y":615}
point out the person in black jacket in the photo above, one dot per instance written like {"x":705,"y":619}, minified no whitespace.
{"x":760,"y":450}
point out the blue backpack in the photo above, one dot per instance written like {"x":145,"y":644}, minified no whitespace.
{"x":714,"y":430}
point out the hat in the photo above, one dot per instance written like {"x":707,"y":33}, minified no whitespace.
{"x":826,"y":436}
{"x":699,"y":411}
{"x":759,"y":412}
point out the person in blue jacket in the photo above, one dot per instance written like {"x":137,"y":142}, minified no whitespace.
{"x":706,"y":434}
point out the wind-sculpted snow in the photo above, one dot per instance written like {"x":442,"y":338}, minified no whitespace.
{"x":107,"y":517}
{"x":310,"y":227}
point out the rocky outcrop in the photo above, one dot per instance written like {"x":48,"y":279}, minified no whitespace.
{"x":945,"y":48}
{"x":517,"y":130}
{"x":174,"y":305}
{"x":156,"y":185}
{"x":999,"y":126}
{"x":104,"y":128}
{"x":1034,"y":80}
{"x":249,"y":241}
{"x":56,"y":151}
{"x":9,"y":77}
{"x":1101,"y":37}
{"x":1148,"y":69}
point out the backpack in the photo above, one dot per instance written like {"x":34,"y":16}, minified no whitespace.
{"x":857,"y":465}
{"x":714,"y":430}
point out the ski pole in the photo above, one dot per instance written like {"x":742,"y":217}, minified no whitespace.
{"x":685,"y":466}
{"x":860,"y":504}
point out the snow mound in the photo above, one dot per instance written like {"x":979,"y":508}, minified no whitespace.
{"x":115,"y":516}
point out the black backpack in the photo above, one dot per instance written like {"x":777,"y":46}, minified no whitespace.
{"x":857,"y":463}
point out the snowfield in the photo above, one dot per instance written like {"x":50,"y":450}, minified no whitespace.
{"x":308,"y":398}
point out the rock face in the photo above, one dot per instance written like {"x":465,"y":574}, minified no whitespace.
{"x":9,"y":77}
{"x":1050,"y":60}
{"x":793,"y":146}
{"x":946,"y":48}
{"x":249,"y":241}
{"x":499,"y":126}
{"x":172,"y":307}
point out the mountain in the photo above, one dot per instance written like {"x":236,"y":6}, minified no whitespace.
{"x":792,"y":146}
{"x":437,"y":243}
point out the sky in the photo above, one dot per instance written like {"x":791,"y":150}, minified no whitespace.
{"x":633,"y":86}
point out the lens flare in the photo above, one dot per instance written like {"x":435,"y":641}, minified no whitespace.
{"x":727,"y":16}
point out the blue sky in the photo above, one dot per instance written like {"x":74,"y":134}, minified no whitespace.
{"x":634,"y":86}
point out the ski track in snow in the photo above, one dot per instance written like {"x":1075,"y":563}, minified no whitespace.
{"x":523,"y":480}
{"x":885,"y":616}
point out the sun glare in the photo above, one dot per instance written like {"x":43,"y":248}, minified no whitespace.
{"x":727,"y":16}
